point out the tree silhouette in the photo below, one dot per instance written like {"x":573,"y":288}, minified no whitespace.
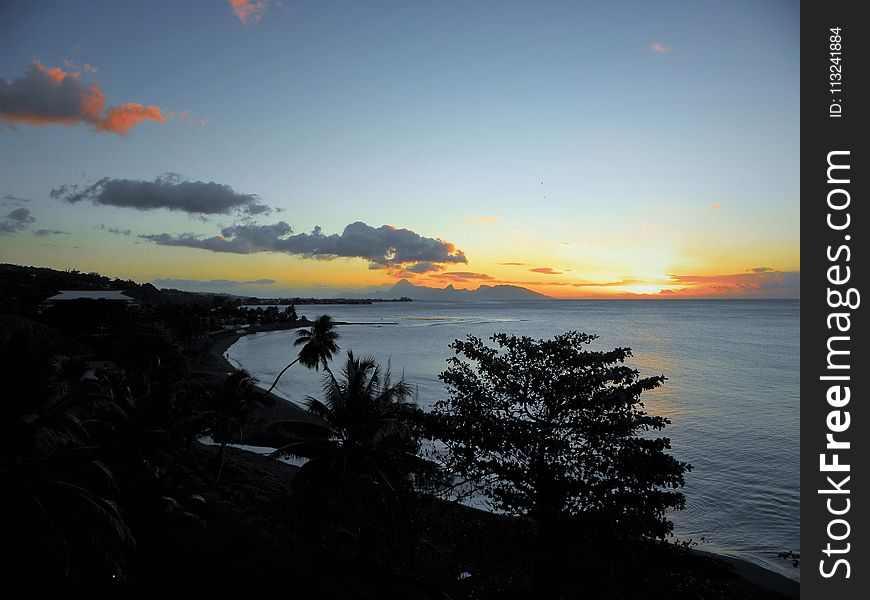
{"x":57,"y":510}
{"x":549,"y":430}
{"x":369,"y":428}
{"x":318,"y":346}
{"x":228,"y":408}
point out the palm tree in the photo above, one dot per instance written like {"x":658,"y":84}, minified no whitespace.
{"x":56,"y":505}
{"x":229,"y":407}
{"x":369,"y":429}
{"x":318,"y":346}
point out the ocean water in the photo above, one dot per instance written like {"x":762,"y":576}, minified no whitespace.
{"x":732,"y":392}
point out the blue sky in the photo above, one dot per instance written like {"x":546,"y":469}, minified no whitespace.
{"x":586,"y":150}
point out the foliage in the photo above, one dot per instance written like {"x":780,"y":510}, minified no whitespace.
{"x":227,"y":408}
{"x":319,"y":344}
{"x":57,"y":507}
{"x":551,"y":430}
{"x":357,"y":486}
{"x":367,"y":427}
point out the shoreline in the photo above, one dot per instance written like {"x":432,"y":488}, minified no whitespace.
{"x":757,"y":574}
{"x":215,"y":363}
{"x":281,"y":408}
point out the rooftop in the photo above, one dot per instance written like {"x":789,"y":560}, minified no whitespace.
{"x":91,"y":295}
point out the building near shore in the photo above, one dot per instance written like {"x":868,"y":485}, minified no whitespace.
{"x":114,"y":298}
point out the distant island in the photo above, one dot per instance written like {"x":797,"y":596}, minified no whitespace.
{"x":406,"y":289}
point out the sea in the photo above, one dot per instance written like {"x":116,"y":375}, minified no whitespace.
{"x":732,"y":391}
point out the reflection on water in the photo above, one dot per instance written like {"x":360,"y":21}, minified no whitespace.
{"x":732,"y":391}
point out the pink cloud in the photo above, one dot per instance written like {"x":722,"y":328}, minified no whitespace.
{"x":52,"y":96}
{"x":660,"y":48}
{"x":249,"y":11}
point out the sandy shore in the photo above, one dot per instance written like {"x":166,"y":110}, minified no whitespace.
{"x":275,"y":408}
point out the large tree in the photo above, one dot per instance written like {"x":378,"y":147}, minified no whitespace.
{"x":554,"y":431}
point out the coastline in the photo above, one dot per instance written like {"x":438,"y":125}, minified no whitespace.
{"x":757,"y":574}
{"x":215,"y":364}
{"x":280,"y":408}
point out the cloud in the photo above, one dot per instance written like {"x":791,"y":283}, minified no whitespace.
{"x":47,"y":232}
{"x":760,"y":270}
{"x":185,"y":117}
{"x":167,"y":191}
{"x":660,"y":48}
{"x":546,"y":271}
{"x":121,"y":119}
{"x":755,"y":283}
{"x":620,"y":283}
{"x":10,"y":200}
{"x":75,"y":67}
{"x":423,"y":267}
{"x":44,"y":96}
{"x":715,"y":206}
{"x":249,"y":11}
{"x":211,"y":283}
{"x":513,"y":264}
{"x":16,"y":220}
{"x":114,"y":230}
{"x":384,"y":247}
{"x":481,"y":219}
{"x":460,"y":276}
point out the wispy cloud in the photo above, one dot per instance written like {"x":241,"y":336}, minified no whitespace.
{"x":660,"y":48}
{"x":10,"y":200}
{"x":52,"y":96}
{"x":715,"y":207}
{"x":513,"y":264}
{"x":546,"y":271}
{"x":249,"y":11}
{"x":114,"y":230}
{"x":210,"y":283}
{"x":460,"y":276}
{"x":169,"y":191}
{"x":47,"y":232}
{"x":760,"y":282}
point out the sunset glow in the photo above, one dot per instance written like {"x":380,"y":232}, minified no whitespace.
{"x":325,"y":150}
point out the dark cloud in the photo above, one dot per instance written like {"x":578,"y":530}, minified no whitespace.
{"x":385,"y":246}
{"x":46,"y":232}
{"x":46,"y":96}
{"x":16,"y":220}
{"x":760,"y":270}
{"x":167,"y":191}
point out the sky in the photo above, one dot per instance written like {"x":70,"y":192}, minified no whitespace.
{"x":579,"y":149}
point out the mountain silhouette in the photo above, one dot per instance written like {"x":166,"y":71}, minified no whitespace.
{"x":405,"y":288}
